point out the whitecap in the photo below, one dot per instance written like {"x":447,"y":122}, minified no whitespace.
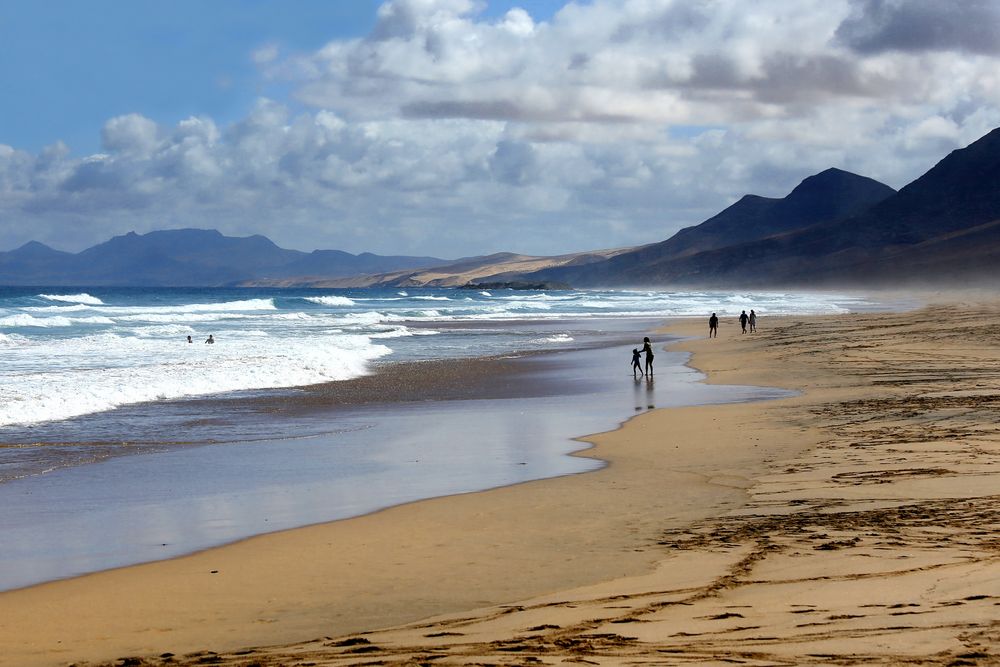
{"x":83,"y":297}
{"x":248,"y":305}
{"x":331,"y":300}
{"x":399,"y":332}
{"x":25,"y":320}
{"x":97,"y":373}
{"x":57,"y":309}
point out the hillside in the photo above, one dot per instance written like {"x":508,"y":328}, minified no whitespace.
{"x":499,"y":267}
{"x":829,"y":196}
{"x":943,"y":229}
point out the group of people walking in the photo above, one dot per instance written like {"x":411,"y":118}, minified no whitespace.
{"x":748,"y":323}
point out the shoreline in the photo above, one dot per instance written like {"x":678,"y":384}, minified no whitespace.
{"x":710,"y":586}
{"x":204,"y":497}
{"x":132,"y":578}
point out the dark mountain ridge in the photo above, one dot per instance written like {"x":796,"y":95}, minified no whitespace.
{"x":938,"y":228}
{"x":831,"y":195}
{"x":834,"y":230}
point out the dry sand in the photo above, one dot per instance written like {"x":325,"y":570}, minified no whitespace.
{"x":854,"y":524}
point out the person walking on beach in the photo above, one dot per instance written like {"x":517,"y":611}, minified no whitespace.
{"x":743,"y":320}
{"x":713,"y":326}
{"x":636,"y":366}
{"x":210,"y":340}
{"x":753,"y":321}
{"x":648,"y":349}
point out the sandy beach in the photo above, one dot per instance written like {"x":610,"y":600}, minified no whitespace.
{"x":856,"y":523}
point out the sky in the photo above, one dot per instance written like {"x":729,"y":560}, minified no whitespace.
{"x":465,"y":127}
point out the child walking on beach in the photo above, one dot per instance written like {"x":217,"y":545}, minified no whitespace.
{"x":636,"y":366}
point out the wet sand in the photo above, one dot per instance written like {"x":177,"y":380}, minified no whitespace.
{"x":854,"y":524}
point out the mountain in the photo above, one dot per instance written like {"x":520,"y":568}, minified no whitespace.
{"x":941,"y":229}
{"x":829,"y":196}
{"x":31,"y":259}
{"x":186,"y":257}
{"x":834,"y":230}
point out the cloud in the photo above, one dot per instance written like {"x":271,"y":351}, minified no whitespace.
{"x":634,"y":61}
{"x":613,"y":123}
{"x":877,"y":26}
{"x":131,"y":134}
{"x":265,"y":54}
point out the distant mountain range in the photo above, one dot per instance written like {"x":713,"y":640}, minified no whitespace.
{"x":834,"y":229}
{"x":187,"y":257}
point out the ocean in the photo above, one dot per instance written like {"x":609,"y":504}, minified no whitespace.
{"x":71,"y":352}
{"x":121,"y":442}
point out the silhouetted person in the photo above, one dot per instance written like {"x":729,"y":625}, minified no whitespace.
{"x":189,"y":339}
{"x":713,"y":326}
{"x":753,"y":321}
{"x":210,"y":340}
{"x":636,"y":366}
{"x":648,"y":349}
{"x":743,"y":321}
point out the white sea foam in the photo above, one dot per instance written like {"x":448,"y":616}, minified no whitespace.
{"x":180,"y":317}
{"x":558,"y":338}
{"x":368,"y":318}
{"x":73,"y":298}
{"x":109,"y":371}
{"x":398,"y":332}
{"x":160,"y":331}
{"x":485,"y":293}
{"x":58,"y":309}
{"x":402,"y":293}
{"x":541,"y":297}
{"x":292,"y":316}
{"x":432,"y":298}
{"x":248,"y":305}
{"x":402,"y":332}
{"x":331,"y":300}
{"x":25,"y":320}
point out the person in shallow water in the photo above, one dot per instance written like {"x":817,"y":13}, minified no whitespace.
{"x":210,"y":340}
{"x":636,"y":366}
{"x":648,"y":349}
{"x":189,"y":339}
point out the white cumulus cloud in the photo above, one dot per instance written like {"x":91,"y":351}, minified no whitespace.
{"x":611,"y":123}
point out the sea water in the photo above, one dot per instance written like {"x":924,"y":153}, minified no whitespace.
{"x":71,"y":352}
{"x":93,"y":375}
